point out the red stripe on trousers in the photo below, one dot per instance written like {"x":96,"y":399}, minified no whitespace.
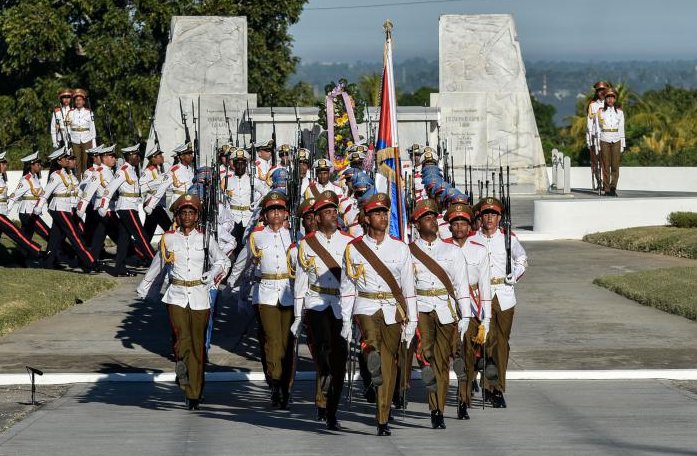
{"x":19,"y":234}
{"x":77,"y":238}
{"x":148,"y":249}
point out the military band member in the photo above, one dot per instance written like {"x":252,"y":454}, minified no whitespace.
{"x":80,"y":122}
{"x":459,"y":216}
{"x":273,"y":295}
{"x":377,"y":289}
{"x":443,"y":302}
{"x":178,"y":178}
{"x":26,"y":245}
{"x":609,"y":127}
{"x":150,"y":180}
{"x":502,"y":297}
{"x":61,"y":190}
{"x":321,"y":183}
{"x":591,"y":137}
{"x":59,"y":133}
{"x":126,"y":182}
{"x":27,"y":195}
{"x":317,"y":282}
{"x":187,"y":296}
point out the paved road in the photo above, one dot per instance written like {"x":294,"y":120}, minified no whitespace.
{"x":543,"y":418}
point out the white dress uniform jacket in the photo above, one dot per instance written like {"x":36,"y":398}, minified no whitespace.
{"x":58,"y":117}
{"x":269,"y":250}
{"x":609,"y":125}
{"x":179,"y":178}
{"x":27,"y":193}
{"x":96,"y":189}
{"x":590,"y":122}
{"x":359,"y":276}
{"x":81,"y":126}
{"x":316,"y":287}
{"x":3,"y":196}
{"x":61,"y":187}
{"x":309,"y":193}
{"x":476,"y":258}
{"x":183,"y":256}
{"x":125,"y":181}
{"x":150,"y":180}
{"x":238,"y":196}
{"x":449,"y":257}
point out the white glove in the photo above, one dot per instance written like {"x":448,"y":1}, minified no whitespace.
{"x":346,"y":330}
{"x":486,"y":323}
{"x":462,"y":326}
{"x":510,"y":279}
{"x":147,"y":209}
{"x":103,"y":211}
{"x":295,"y":327}
{"x":37,"y":210}
{"x":409,"y":332}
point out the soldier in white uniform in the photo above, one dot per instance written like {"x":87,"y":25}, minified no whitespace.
{"x":304,"y":168}
{"x":321,"y":183}
{"x":178,"y":178}
{"x":377,"y":289}
{"x":150,"y":180}
{"x":238,"y":195}
{"x":126,"y":182}
{"x":61,"y":190}
{"x":59,"y":132}
{"x":187,"y":297}
{"x":317,"y":283}
{"x":273,"y":295}
{"x":502,"y":296}
{"x":591,"y":136}
{"x":609,"y":127}
{"x":262,"y":165}
{"x":80,"y":122}
{"x":443,"y":302}
{"x":26,"y":245}
{"x":27,"y":195}
{"x":89,"y":213}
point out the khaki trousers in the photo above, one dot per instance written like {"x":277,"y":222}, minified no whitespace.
{"x":189,"y":327}
{"x":497,"y":346}
{"x":377,"y":335}
{"x":611,"y":157}
{"x":329,"y":351}
{"x":278,"y":343}
{"x":467,"y":351}
{"x":80,"y":151}
{"x":435,"y":349}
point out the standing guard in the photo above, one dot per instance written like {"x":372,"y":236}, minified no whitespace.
{"x":317,"y":284}
{"x":126,"y":183}
{"x":609,"y":127}
{"x":443,"y":302}
{"x":591,"y":137}
{"x":80,"y":122}
{"x":377,"y":288}
{"x":184,"y":252}
{"x":273,"y":296}
{"x":59,"y":131}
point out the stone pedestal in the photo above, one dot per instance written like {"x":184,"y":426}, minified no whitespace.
{"x":484,"y":101}
{"x":207,"y":59}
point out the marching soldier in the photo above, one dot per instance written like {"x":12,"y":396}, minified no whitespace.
{"x":27,"y":194}
{"x":238,"y":195}
{"x":321,"y":183}
{"x":304,"y":167}
{"x":80,"y":122}
{"x":59,"y":133}
{"x":150,"y":179}
{"x":91,"y":215}
{"x":317,"y":282}
{"x":609,"y":127}
{"x":263,"y":163}
{"x":61,"y":190}
{"x":415,"y":153}
{"x":178,"y":178}
{"x":187,"y":296}
{"x":459,"y":216}
{"x":273,"y":296}
{"x":377,"y":288}
{"x":442,"y":289}
{"x":502,"y":297}
{"x":591,"y":138}
{"x":125,"y":181}
{"x":26,"y":245}
{"x":357,"y":155}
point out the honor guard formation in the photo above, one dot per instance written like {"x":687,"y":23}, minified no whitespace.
{"x":309,"y":249}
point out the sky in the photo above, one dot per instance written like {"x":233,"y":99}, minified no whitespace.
{"x":574,"y":30}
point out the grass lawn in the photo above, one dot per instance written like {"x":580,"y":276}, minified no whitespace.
{"x":27,"y":295}
{"x":672,"y":290}
{"x":666,"y":240}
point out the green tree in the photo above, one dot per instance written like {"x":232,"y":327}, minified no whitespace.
{"x":369,"y":87}
{"x":419,"y":97}
{"x":115,"y":49}
{"x":549,"y":133}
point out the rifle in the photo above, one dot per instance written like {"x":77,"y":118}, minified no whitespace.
{"x":154,"y":131}
{"x":350,"y":368}
{"x":507,"y":222}
{"x":426,"y":125}
{"x":187,"y":135}
{"x":131,"y":125}
{"x":300,"y":141}
{"x":253,"y":159}
{"x":65,"y":136}
{"x":197,"y":145}
{"x":227,"y":122}
{"x":237,"y":132}
{"x":273,"y":137}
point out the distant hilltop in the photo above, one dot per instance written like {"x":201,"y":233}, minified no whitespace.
{"x":552,"y":82}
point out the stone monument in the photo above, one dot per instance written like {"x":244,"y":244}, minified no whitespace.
{"x":206,"y":63}
{"x":484,"y":101}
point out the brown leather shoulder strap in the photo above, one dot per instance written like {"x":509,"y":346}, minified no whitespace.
{"x":313,"y":190}
{"x":434,"y":267}
{"x":325,"y":256}
{"x":386,"y":275}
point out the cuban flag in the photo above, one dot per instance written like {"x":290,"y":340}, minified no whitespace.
{"x":387,"y":143}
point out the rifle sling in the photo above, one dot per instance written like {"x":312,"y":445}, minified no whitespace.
{"x":386,"y":275}
{"x":325,"y":256}
{"x":436,"y":270}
